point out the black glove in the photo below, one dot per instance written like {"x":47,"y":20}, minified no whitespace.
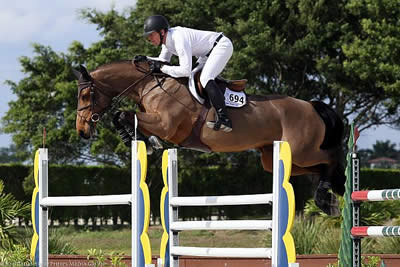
{"x":155,"y":66}
{"x":138,"y":59}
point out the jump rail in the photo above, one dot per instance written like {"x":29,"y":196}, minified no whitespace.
{"x":282,"y":252}
{"x":350,"y":248}
{"x":138,"y":200}
{"x":376,"y":195}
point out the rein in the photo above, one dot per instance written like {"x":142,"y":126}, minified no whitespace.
{"x":115,"y":100}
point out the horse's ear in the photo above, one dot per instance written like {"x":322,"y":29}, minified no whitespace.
{"x":85,"y":74}
{"x":76,"y":73}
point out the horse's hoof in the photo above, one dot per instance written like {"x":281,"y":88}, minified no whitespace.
{"x":155,"y":142}
{"x":334,"y":211}
{"x":327,"y":202}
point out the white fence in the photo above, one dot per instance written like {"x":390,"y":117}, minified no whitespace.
{"x":282,"y":252}
{"x":138,"y":200}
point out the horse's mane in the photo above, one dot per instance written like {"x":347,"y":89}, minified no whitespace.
{"x":182,"y":80}
{"x":122,"y":61}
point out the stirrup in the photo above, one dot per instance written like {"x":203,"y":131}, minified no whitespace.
{"x":222,"y":122}
{"x":219,"y":125}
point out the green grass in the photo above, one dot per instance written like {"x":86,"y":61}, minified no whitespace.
{"x":109,"y":240}
{"x":311,"y":237}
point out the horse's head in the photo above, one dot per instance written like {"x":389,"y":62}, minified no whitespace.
{"x":92,"y":103}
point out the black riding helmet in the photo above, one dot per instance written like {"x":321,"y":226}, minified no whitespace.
{"x":155,"y":23}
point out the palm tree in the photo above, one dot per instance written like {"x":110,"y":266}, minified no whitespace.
{"x":384,"y":149}
{"x":10,"y":208}
{"x":379,"y":149}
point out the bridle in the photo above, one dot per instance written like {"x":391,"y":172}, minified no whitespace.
{"x":115,"y":100}
{"x":95,"y":117}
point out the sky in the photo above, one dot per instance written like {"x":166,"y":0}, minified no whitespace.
{"x":53,"y":23}
{"x":56,"y":24}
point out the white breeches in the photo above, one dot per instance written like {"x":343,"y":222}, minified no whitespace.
{"x":217,"y":60}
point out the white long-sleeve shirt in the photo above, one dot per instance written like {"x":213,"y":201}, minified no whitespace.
{"x":185,"y":43}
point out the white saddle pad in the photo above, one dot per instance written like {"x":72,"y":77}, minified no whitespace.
{"x":232,"y":99}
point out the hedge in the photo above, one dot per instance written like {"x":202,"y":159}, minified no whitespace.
{"x":70,"y":180}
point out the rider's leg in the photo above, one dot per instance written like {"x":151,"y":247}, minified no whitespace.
{"x":217,"y":100}
{"x":214,"y":65}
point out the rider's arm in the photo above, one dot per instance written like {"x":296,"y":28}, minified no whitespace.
{"x":165,"y":55}
{"x":184,"y":51}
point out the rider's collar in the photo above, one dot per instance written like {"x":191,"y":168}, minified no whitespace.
{"x":168,"y":38}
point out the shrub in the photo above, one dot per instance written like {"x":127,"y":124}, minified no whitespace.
{"x":16,"y":255}
{"x":10,"y":209}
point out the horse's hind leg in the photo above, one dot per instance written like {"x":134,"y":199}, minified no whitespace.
{"x":324,"y":199}
{"x":338,"y":179}
{"x":331,"y":177}
{"x":267,"y":162}
{"x":326,"y":162}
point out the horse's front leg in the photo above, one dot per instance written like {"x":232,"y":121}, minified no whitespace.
{"x":124,"y":122}
{"x":153,"y":123}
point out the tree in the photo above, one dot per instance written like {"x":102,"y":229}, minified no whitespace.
{"x":379,"y":149}
{"x":343,"y":52}
{"x":384,"y":149}
{"x":46,"y":99}
{"x":9,"y":154}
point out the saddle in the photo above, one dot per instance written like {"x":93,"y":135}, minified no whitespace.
{"x":193,"y":140}
{"x":234,"y":85}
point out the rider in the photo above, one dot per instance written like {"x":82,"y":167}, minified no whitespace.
{"x":212,"y":49}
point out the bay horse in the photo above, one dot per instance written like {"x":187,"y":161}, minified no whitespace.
{"x":168,"y":110}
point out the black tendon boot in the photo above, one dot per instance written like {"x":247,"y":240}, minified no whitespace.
{"x":126,"y":138}
{"x":216,"y":97}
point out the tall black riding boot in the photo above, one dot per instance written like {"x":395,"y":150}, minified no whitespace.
{"x":216,"y":97}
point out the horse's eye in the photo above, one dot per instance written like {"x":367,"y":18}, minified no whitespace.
{"x":84,"y":97}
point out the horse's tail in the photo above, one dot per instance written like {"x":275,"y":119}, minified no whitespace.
{"x":334,"y":125}
{"x":333,"y":142}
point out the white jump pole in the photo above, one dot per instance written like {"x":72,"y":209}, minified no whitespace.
{"x":43,"y":211}
{"x":138,"y":199}
{"x":134,"y":207}
{"x":282,"y":252}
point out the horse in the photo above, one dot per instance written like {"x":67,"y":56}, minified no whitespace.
{"x":169,"y":111}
